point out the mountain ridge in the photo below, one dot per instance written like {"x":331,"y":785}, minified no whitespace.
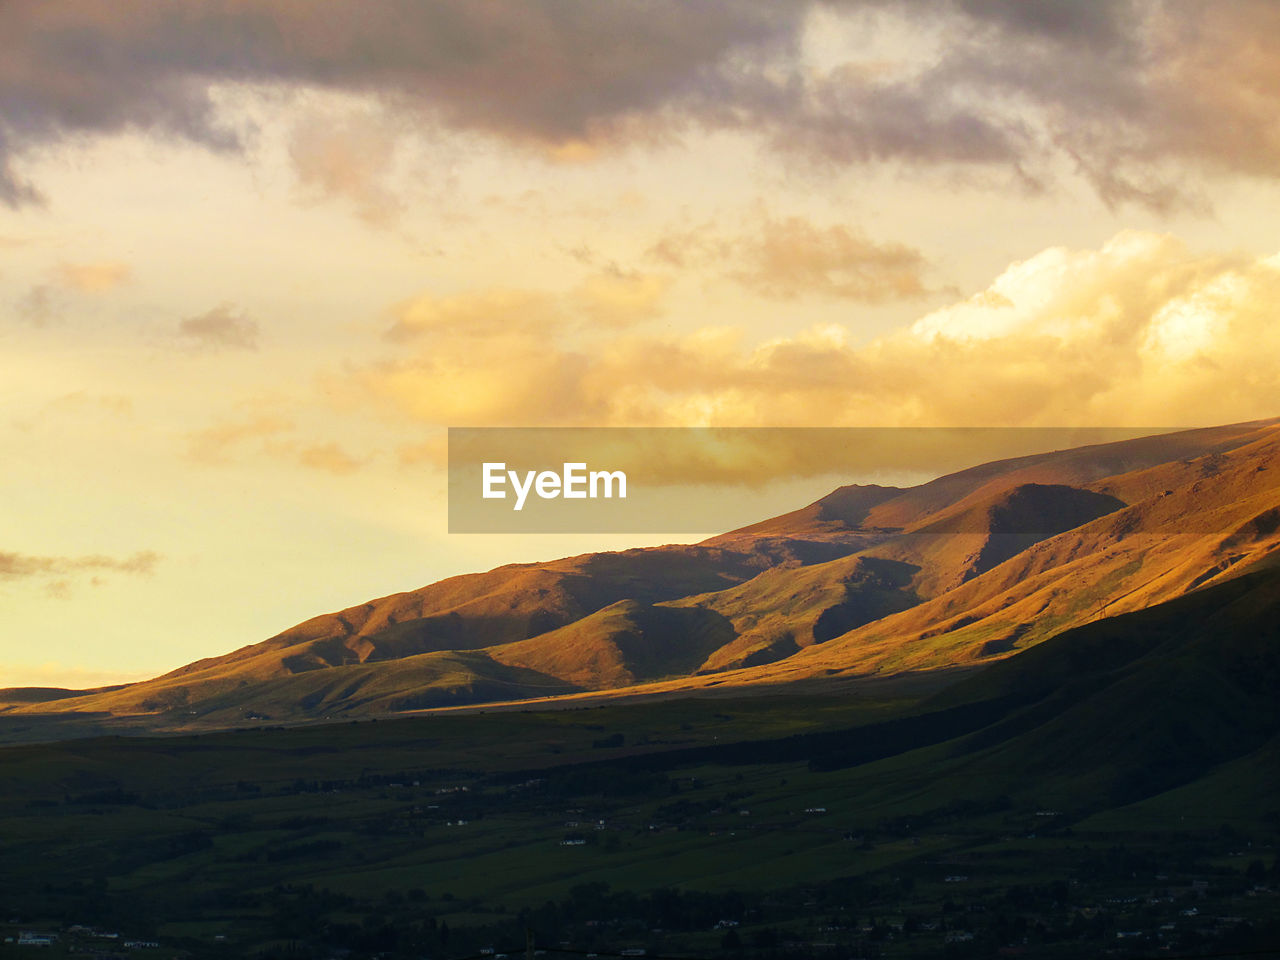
{"x":866,"y":581}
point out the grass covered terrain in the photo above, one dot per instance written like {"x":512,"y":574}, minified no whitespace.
{"x":844,"y":825}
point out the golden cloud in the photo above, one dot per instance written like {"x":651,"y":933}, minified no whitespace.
{"x":217,"y":444}
{"x":609,"y":298}
{"x":615,"y":298}
{"x":79,"y":404}
{"x":329,"y":458}
{"x":483,"y":315}
{"x":1137,"y":332}
{"x":96,"y":277}
{"x":263,"y":433}
{"x":790,"y":257}
{"x":793,"y":257}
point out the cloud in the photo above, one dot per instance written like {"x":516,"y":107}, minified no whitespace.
{"x":790,"y":257}
{"x":222,"y":328}
{"x":1143,"y":95}
{"x":477,"y":316}
{"x":350,"y":160}
{"x":15,"y":191}
{"x":1140,"y":331}
{"x":46,"y":302}
{"x":80,"y":404}
{"x":271,"y":435}
{"x":610,"y":298}
{"x":58,"y":573}
{"x":547,"y":73}
{"x":217,"y":444}
{"x":329,"y":458}
{"x":112,"y":404}
{"x":41,"y":304}
{"x":93,"y":277}
{"x":618,"y":298}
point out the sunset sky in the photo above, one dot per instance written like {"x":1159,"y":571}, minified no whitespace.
{"x":256,"y":256}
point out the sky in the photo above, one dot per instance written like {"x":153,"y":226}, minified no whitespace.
{"x":257,"y":256}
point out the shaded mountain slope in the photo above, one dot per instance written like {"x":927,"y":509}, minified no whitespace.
{"x":1076,"y":467}
{"x":961,"y":542}
{"x":787,"y":608}
{"x":624,"y":643}
{"x":1224,"y":522}
{"x":784,"y":610}
{"x":1126,"y":560}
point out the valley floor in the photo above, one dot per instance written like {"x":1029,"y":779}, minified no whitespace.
{"x":688,"y":828}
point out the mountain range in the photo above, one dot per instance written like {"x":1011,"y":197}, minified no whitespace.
{"x":869,"y":582}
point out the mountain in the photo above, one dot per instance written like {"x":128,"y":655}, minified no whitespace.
{"x":834,"y":516}
{"x":867,"y":581}
{"x":1220,"y":518}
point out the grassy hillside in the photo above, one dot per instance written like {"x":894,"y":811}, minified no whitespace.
{"x":1105,"y":781}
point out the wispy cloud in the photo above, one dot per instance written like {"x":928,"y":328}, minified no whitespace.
{"x":328,"y":458}
{"x":58,"y":574}
{"x":41,"y":304}
{"x":220,"y":442}
{"x":351,"y":160}
{"x":49,"y":301}
{"x":791,"y":257}
{"x":223,"y":328}
{"x":76,"y":405}
{"x":96,"y":277}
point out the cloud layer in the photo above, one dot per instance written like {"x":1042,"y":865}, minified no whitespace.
{"x":1141,"y":95}
{"x":1138,"y":332}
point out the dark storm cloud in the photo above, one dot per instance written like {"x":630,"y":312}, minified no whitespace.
{"x":1090,"y":21}
{"x":1141,"y":95}
{"x":1124,"y":87}
{"x":544,"y":71}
